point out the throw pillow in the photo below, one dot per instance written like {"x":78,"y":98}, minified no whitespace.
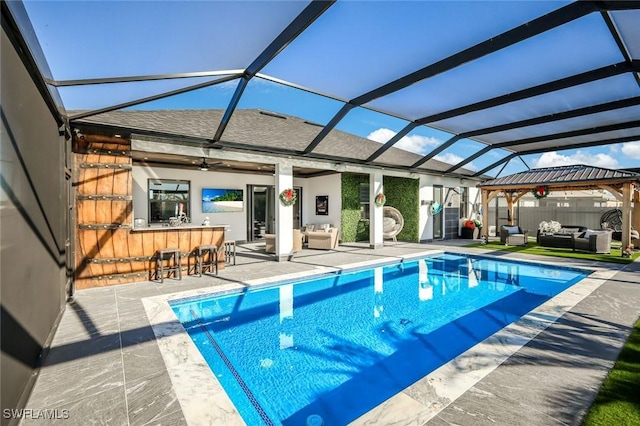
{"x":512,"y":229}
{"x":569,"y":230}
{"x":590,"y":232}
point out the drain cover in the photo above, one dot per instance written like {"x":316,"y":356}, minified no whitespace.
{"x":314,"y":420}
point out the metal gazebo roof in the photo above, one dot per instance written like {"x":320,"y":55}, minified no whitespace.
{"x":622,"y":184}
{"x":576,"y":177}
{"x":497,"y":81}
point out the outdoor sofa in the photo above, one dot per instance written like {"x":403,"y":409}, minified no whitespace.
{"x":561,"y":239}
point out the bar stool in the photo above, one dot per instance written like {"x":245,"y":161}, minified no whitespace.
{"x":172,"y":256}
{"x":230,"y":251}
{"x":211,"y":261}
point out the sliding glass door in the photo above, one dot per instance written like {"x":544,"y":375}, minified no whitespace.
{"x":261,"y":211}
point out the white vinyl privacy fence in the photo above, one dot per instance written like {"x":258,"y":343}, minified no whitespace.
{"x":529,"y":212}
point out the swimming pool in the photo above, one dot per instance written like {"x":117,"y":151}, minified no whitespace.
{"x":339,"y":345}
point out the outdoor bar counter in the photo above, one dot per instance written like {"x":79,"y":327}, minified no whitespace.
{"x":176,"y":228}
{"x":108,"y":248}
{"x":120,"y":254}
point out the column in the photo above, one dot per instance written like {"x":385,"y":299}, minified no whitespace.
{"x":635,"y":219}
{"x":510,"y":211}
{"x":375,"y":213}
{"x":284,"y":214}
{"x":626,"y":215}
{"x":485,"y":214}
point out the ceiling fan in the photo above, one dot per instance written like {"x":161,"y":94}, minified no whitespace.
{"x":204,"y":166}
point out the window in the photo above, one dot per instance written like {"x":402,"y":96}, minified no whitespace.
{"x":438,"y":222}
{"x":168,"y":198}
{"x":364,"y":201}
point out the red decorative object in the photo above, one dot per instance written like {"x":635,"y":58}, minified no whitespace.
{"x":541,"y":191}
{"x":288,"y":197}
{"x":380,"y":200}
{"x":470,"y":224}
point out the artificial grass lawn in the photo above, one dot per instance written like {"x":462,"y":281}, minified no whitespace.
{"x":618,"y":402}
{"x":533,"y":248}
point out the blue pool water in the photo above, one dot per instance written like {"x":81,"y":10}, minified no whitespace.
{"x":338,"y":345}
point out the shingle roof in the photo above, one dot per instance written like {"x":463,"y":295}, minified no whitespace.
{"x":574,"y":174}
{"x":254,"y":127}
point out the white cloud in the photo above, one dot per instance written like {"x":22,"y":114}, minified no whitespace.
{"x":452,"y":159}
{"x":381,"y":135}
{"x":631,"y":150}
{"x":419,"y":145}
{"x":414,"y":143}
{"x":224,"y":87}
{"x":553,"y":159}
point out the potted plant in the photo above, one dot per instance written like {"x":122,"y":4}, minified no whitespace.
{"x":468,"y":229}
{"x":478,"y":230}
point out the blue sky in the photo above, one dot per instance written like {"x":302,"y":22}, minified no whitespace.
{"x":352,"y":48}
{"x":266,"y":95}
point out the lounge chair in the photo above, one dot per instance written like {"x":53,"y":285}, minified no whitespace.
{"x":513,"y":236}
{"x":392,"y":223}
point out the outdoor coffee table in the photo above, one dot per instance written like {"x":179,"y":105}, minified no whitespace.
{"x":556,"y":240}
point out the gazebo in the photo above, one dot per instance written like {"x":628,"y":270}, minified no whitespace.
{"x":623,"y":185}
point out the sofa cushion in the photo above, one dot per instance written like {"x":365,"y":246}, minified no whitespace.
{"x":590,"y":232}
{"x":388,"y":223}
{"x":512,"y":229}
{"x":569,"y":230}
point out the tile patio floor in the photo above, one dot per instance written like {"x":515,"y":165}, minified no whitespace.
{"x":105,"y":365}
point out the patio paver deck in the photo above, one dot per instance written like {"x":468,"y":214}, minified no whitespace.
{"x":105,"y":365}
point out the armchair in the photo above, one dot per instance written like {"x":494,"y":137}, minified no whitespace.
{"x":270,"y":242}
{"x":323,"y":240}
{"x":593,"y":241}
{"x":513,"y":236}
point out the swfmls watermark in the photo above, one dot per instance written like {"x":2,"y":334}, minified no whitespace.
{"x":35,"y":414}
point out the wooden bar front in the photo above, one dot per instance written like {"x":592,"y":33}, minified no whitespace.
{"x":108,"y":250}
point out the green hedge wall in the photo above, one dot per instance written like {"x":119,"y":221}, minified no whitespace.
{"x":401,"y":193}
{"x":404,"y":195}
{"x":352,"y":228}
